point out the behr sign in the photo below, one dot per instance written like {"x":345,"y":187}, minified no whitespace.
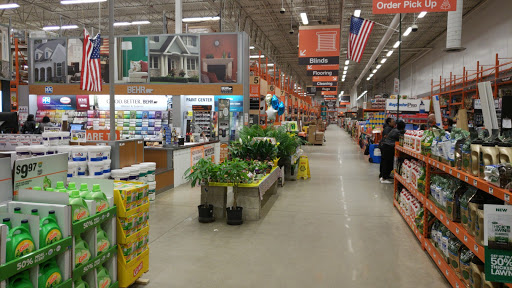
{"x":138,"y":90}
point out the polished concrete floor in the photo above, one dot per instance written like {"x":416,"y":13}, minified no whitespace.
{"x":337,"y":229}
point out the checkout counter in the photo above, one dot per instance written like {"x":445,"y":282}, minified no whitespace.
{"x":172,"y":162}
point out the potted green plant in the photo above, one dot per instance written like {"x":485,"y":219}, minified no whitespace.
{"x":202,"y":173}
{"x":235,"y":172}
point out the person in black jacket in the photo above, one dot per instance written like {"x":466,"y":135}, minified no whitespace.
{"x":388,"y":152}
{"x":388,"y":126}
{"x":30,"y":125}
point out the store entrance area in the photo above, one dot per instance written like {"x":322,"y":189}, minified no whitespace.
{"x":338,"y":229}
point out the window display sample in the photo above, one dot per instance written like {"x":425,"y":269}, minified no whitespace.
{"x":49,"y":60}
{"x":133,"y":64}
{"x":174,"y":58}
{"x":219,"y":58}
{"x":5,"y":56}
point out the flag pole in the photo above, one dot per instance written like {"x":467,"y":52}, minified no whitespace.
{"x":380,"y":24}
{"x":399,"y":56}
{"x":111,"y":80}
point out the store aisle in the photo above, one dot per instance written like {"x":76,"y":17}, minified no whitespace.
{"x":338,"y":229}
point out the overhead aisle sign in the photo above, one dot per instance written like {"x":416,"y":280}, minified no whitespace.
{"x":319,"y":45}
{"x":413,"y":6}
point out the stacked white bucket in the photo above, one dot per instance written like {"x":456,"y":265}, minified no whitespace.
{"x":51,"y":140}
{"x":143,"y":172}
{"x":91,"y":161}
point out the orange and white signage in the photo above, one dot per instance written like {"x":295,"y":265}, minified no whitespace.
{"x":100,"y":135}
{"x":325,"y":78}
{"x":319,"y":45}
{"x":329,"y":93}
{"x":413,"y":6}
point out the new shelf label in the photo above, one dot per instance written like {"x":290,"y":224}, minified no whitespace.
{"x":465,"y":238}
{"x":491,"y":191}
{"x":507,"y":198}
{"x":457,"y":230}
{"x":475,"y":183}
{"x":466,"y":179}
{"x":458,"y":175}
{"x":450,"y":171}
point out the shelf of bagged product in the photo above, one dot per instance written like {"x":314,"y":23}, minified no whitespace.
{"x":410,"y":222}
{"x":457,"y":230}
{"x":412,"y":153}
{"x":94,"y":262}
{"x":93,"y":221}
{"x":122,"y":238}
{"x":30,"y":260}
{"x":411,"y":189}
{"x":129,"y":272}
{"x":481,"y":184}
{"x":447,"y":271}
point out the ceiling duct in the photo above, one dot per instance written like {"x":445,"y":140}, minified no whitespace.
{"x":454,"y":29}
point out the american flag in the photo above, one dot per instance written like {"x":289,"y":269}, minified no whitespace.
{"x":91,"y":68}
{"x":360,"y":30}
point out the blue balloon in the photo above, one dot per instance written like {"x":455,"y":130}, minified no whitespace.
{"x":275,"y":102}
{"x":280,"y":109}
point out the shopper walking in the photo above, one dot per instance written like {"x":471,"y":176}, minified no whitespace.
{"x":44,"y":123}
{"x":388,"y":127}
{"x":388,"y":151}
{"x":30,"y":125}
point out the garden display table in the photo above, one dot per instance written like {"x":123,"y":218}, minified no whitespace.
{"x":250,"y":196}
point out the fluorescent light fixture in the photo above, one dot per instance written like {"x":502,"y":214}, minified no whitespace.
{"x":304,"y":18}
{"x":9,"y":6}
{"x":422,"y":14}
{"x":374,"y":71}
{"x":67,"y":27}
{"x":408,"y":31}
{"x":383,"y":60}
{"x":51,"y":28}
{"x":199,"y":19}
{"x":371,"y":75}
{"x":346,"y":62}
{"x":357,"y":13}
{"x":251,"y":47}
{"x":270,"y":65}
{"x":368,"y":79}
{"x":141,"y":22}
{"x":344,"y":72}
{"x":66,"y":2}
{"x":390,"y":53}
{"x":345,"y":68}
{"x":342,"y":79}
{"x":122,"y":24}
{"x":396,"y":44}
{"x":256,"y":56}
{"x":362,"y":94}
{"x":378,"y":66}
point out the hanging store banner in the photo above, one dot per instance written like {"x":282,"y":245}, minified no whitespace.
{"x":413,"y":6}
{"x":345,"y":98}
{"x":254,"y":87}
{"x":319,"y":45}
{"x":325,"y":84}
{"x":327,"y":89}
{"x":498,"y":243}
{"x":322,"y":73}
{"x":322,"y":67}
{"x":329,"y":93}
{"x":408,"y":105}
{"x":325,"y":78}
{"x":311,"y":90}
{"x":56,"y":102}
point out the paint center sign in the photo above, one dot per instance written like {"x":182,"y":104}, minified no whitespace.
{"x":413,"y":6}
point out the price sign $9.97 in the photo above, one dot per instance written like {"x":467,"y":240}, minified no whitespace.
{"x":24,"y":169}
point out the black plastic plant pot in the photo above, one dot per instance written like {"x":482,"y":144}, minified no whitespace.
{"x":205,"y":213}
{"x":234,"y":215}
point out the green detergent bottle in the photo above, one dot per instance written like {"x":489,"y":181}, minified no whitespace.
{"x":104,"y":279}
{"x":81,"y":284}
{"x":79,"y":209}
{"x":49,"y":274}
{"x":84,"y":190}
{"x":7,"y":221}
{"x":59,"y":185}
{"x":17,"y":210}
{"x":19,"y":241}
{"x":98,"y":197}
{"x":71,"y":186}
{"x":49,"y":189}
{"x":62,"y":191}
{"x":34,"y":212}
{"x":49,"y":230}
{"x":82,"y":252}
{"x":20,"y":280}
{"x":37,"y":188}
{"x":103,"y":242}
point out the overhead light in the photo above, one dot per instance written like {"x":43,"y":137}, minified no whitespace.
{"x":346,"y":62}
{"x":342,"y":79}
{"x":270,"y":65}
{"x":371,"y":75}
{"x":374,"y":71}
{"x":345,"y":68}
{"x":256,"y":56}
{"x":390,"y":53}
{"x":408,"y":31}
{"x":67,"y":27}
{"x":122,"y":24}
{"x":368,"y":79}
{"x":251,"y":47}
{"x":362,"y":94}
{"x":141,"y":22}
{"x":51,"y":28}
{"x":422,"y":14}
{"x":383,"y":60}
{"x":344,"y":72}
{"x":66,"y":2}
{"x":9,"y":6}
{"x":357,"y":13}
{"x":304,"y":18}
{"x":396,"y":44}
{"x":200,"y":19}
{"x":63,"y":27}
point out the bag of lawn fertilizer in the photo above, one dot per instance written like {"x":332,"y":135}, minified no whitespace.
{"x":465,"y":261}
{"x":464,"y":206}
{"x":454,"y":245}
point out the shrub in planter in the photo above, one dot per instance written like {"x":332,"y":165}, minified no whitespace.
{"x":202,"y":173}
{"x":194,"y":79}
{"x":235,"y":172}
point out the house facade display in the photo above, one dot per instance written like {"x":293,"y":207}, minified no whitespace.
{"x":49,"y":60}
{"x":174,"y":56}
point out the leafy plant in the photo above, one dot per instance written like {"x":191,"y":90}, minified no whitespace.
{"x":202,"y":173}
{"x":255,"y":150}
{"x":235,"y":172}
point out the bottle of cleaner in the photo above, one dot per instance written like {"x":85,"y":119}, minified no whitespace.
{"x":34,"y":212}
{"x":79,"y":283}
{"x":62,"y":191}
{"x":19,"y":241}
{"x":49,"y":231}
{"x":79,"y":209}
{"x":59,"y":185}
{"x":20,"y":280}
{"x":17,"y":210}
{"x":7,"y":221}
{"x":36,"y":188}
{"x":104,"y":279}
{"x":84,"y":190}
{"x":49,"y":274}
{"x":71,"y":187}
{"x":98,"y":197}
{"x":82,"y":252}
{"x":102,"y":239}
{"x":49,"y":190}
